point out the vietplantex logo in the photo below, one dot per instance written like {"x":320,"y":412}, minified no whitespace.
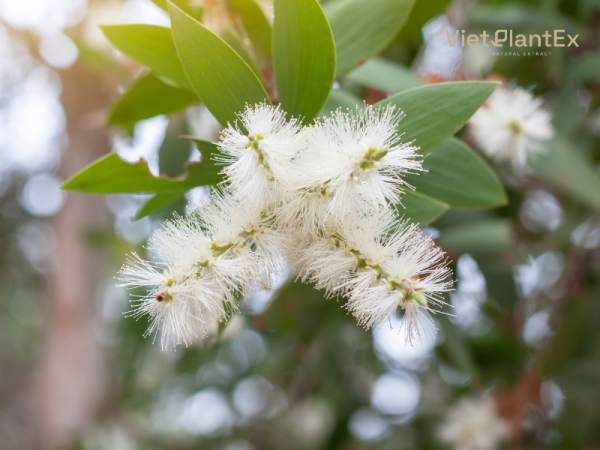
{"x":521,"y":42}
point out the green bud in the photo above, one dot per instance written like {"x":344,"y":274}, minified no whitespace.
{"x":379,"y":154}
{"x":419,"y":298}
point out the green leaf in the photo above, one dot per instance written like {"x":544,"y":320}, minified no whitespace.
{"x":111,"y":175}
{"x":219,"y":75}
{"x":362,"y":28}
{"x":205,"y":147}
{"x":459,"y":177}
{"x":148,"y":97}
{"x":174,"y":152}
{"x":586,"y":68}
{"x":303,"y":57}
{"x":456,"y":349}
{"x":422,"y":13}
{"x":482,"y":237}
{"x":569,"y":171}
{"x":437,"y":111}
{"x":156,"y":203}
{"x":385,"y":75}
{"x":151,"y":46}
{"x":256,"y":24}
{"x":339,"y":98}
{"x":420,"y":208}
{"x":195,"y":12}
{"x":233,"y":40}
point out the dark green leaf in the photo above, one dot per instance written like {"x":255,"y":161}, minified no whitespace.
{"x":456,"y":348}
{"x":174,"y":151}
{"x":219,"y":75}
{"x":420,"y":208}
{"x":148,"y":97}
{"x":151,"y":46}
{"x":483,"y":237}
{"x":111,"y":175}
{"x":362,"y":28}
{"x":437,"y":111}
{"x":587,"y":68}
{"x":385,"y":75}
{"x":459,"y":177}
{"x":422,"y":13}
{"x":206,"y":148}
{"x":303,"y":56}
{"x":158,"y":202}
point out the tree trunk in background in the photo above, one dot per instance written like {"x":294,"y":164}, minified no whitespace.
{"x":72,"y":381}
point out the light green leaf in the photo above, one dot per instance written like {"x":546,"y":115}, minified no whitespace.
{"x":303,"y":57}
{"x":339,"y":98}
{"x":569,"y":171}
{"x":362,"y":28}
{"x":437,"y":111}
{"x":459,"y":177}
{"x":151,"y":46}
{"x":256,"y":24}
{"x":156,"y":203}
{"x":385,"y":75}
{"x":148,"y":97}
{"x":195,"y":12}
{"x":219,"y":75}
{"x":420,"y":208}
{"x":111,"y":175}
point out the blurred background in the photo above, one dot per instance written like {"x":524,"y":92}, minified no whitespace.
{"x":291,"y":370}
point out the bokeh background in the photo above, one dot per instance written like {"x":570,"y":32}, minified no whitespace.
{"x":291,"y":370}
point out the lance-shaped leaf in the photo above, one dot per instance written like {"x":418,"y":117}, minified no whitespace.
{"x":148,"y":97}
{"x":256,"y":24}
{"x":157,"y":202}
{"x":111,"y":175}
{"x":339,"y":98}
{"x":437,"y":111}
{"x":219,"y":75}
{"x":420,"y":208}
{"x":385,"y":75}
{"x":459,"y":177}
{"x":568,"y":170}
{"x":151,"y":46}
{"x":362,"y":28}
{"x":303,"y":56}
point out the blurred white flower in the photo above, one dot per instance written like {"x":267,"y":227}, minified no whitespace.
{"x":474,"y":424}
{"x":511,"y":126}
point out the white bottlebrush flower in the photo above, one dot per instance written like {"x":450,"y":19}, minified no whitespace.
{"x":474,"y":424}
{"x":511,"y":126}
{"x":258,"y":157}
{"x":229,"y":219}
{"x":356,"y":159}
{"x":381,"y":265}
{"x":223,"y":249}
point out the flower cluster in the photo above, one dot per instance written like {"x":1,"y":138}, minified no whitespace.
{"x":322,"y":196}
{"x":512,"y":126}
